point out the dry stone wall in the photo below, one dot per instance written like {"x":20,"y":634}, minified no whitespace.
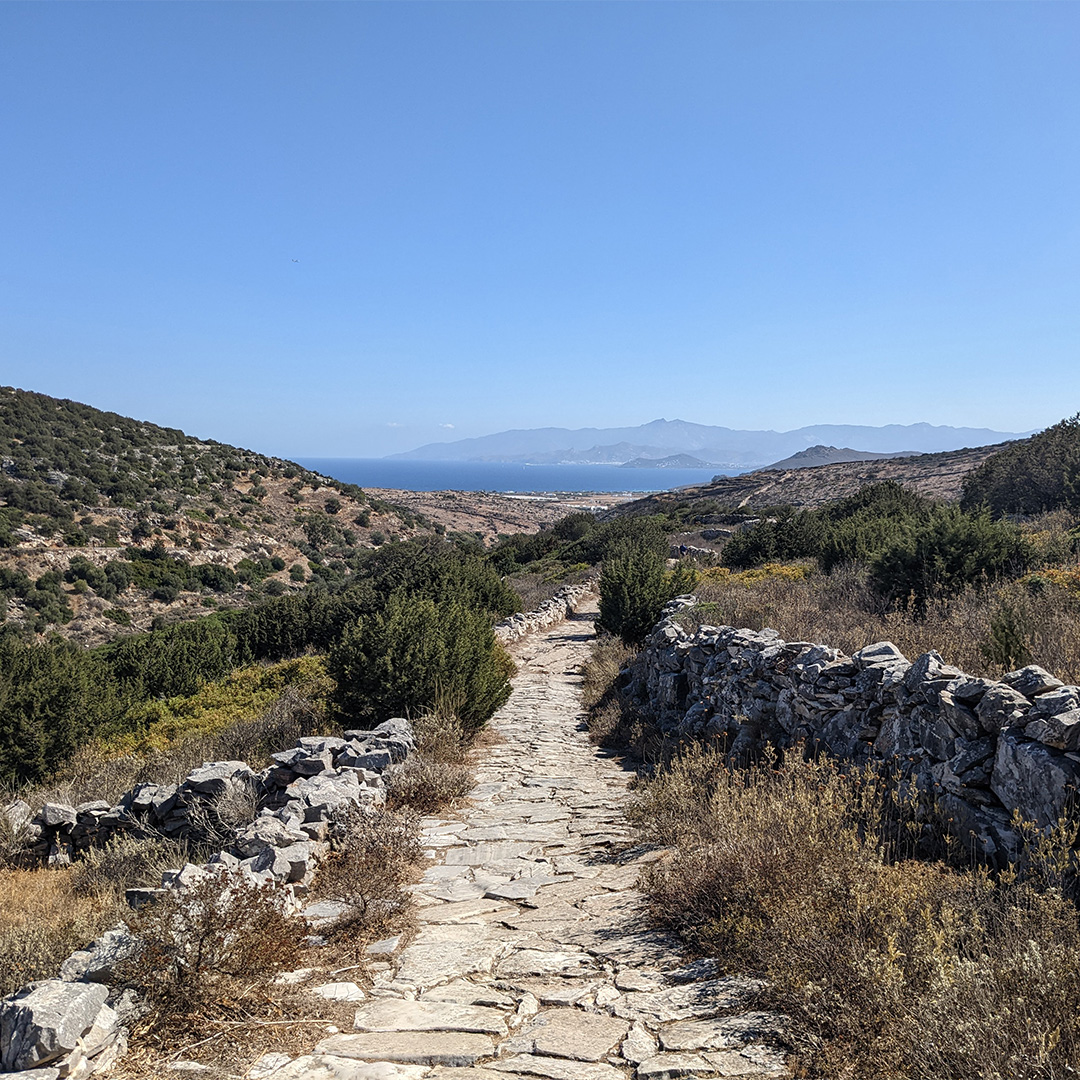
{"x":72,"y":1026}
{"x":986,"y":748}
{"x":552,"y":611}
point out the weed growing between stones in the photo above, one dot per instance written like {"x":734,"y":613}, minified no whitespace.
{"x":892,"y":968}
{"x":437,"y":774}
{"x":373,"y":861}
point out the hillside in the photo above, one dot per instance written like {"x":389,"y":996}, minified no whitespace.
{"x":813,"y":456}
{"x":109,"y":522}
{"x":938,"y":475}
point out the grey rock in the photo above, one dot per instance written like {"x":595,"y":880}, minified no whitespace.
{"x":1061,"y":731}
{"x":1031,"y":681}
{"x":98,"y":960}
{"x":1034,"y":779}
{"x":1001,"y":707}
{"x":56,"y":815}
{"x":44,"y":1022}
{"x":216,"y":777}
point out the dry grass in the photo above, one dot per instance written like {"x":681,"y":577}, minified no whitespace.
{"x":44,"y":917}
{"x":536,"y":586}
{"x":437,"y":775}
{"x":892,"y":969}
{"x":841,"y":611}
{"x":611,"y":722}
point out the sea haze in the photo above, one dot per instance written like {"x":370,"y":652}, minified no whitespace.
{"x":506,"y":477}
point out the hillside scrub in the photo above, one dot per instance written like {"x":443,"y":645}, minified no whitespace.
{"x":891,"y":969}
{"x":983,"y":631}
{"x":1030,"y":476}
{"x":55,"y":696}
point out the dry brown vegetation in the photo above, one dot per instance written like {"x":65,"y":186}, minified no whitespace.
{"x":892,"y":969}
{"x":611,"y":722}
{"x":437,"y":775}
{"x":44,"y":917}
{"x":983,"y":631}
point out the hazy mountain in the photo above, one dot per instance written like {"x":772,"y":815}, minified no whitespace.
{"x":673,"y":461}
{"x":720,"y":446}
{"x":813,"y":456}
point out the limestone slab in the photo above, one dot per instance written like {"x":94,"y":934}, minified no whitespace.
{"x":554,"y":1068}
{"x":526,"y":962}
{"x":481,"y":854}
{"x":410,"y":1047}
{"x":569,"y":1033}
{"x":673,"y":1067}
{"x":393,"y":1015}
{"x":465,"y":992}
{"x":691,"y":1001}
{"x":328,"y":1067}
{"x":723,"y":1032}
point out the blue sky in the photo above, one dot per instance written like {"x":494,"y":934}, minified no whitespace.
{"x":527,"y":214}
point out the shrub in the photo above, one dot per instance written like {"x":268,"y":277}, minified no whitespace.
{"x":416,"y":654}
{"x":634,"y":586}
{"x":946,"y":552}
{"x":221,"y":937}
{"x":891,"y":968}
{"x":368,"y":870}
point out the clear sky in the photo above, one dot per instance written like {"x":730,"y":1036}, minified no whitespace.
{"x":341,"y":228}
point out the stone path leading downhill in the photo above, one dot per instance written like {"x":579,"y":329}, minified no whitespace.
{"x":534,"y":960}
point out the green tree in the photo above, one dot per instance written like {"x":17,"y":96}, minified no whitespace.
{"x":947,"y":551}
{"x":418,"y":654}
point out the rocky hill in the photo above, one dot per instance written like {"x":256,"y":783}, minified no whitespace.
{"x":938,"y":475}
{"x":108,"y":522}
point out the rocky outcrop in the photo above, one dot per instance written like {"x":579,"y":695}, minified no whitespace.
{"x":560,"y":606}
{"x":985,"y":748}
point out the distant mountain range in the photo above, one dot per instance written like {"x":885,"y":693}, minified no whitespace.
{"x":719,"y":447}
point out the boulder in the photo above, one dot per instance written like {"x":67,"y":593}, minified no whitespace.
{"x":45,"y":1021}
{"x":1031,"y":681}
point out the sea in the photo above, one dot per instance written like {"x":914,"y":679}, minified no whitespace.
{"x":509,"y":479}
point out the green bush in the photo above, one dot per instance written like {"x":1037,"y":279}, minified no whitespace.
{"x":418,"y":654}
{"x":947,"y":551}
{"x":633,"y":588}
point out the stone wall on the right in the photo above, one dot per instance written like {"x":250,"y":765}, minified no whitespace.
{"x":985,"y":748}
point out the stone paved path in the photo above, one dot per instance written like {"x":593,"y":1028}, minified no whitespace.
{"x":534,"y":958}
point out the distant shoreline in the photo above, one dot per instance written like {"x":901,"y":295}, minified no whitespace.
{"x":506,"y":478}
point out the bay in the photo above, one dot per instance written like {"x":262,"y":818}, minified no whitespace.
{"x":502,"y":477}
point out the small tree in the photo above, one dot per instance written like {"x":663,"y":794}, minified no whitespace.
{"x":633,"y":589}
{"x":417,"y":654}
